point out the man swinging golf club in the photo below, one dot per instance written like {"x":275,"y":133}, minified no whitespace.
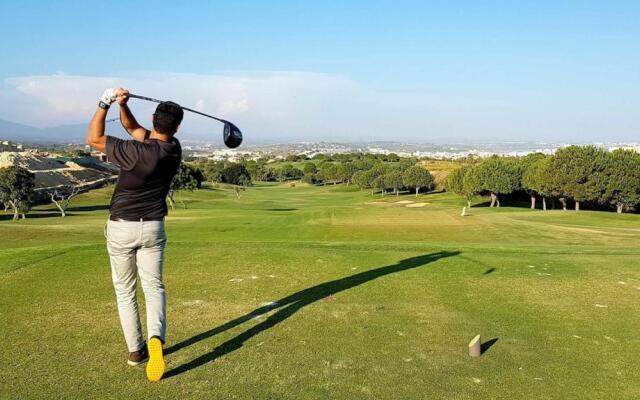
{"x":135,"y":229}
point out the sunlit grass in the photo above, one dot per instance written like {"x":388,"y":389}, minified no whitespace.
{"x":559,"y":290}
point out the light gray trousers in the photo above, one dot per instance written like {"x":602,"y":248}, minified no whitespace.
{"x":136,"y":249}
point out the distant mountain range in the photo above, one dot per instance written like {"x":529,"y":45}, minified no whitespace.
{"x":29,"y":134}
{"x":77,"y":133}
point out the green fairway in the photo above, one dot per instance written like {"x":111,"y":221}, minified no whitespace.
{"x":374,"y":300}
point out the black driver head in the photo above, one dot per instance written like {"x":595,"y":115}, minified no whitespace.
{"x":231,"y":135}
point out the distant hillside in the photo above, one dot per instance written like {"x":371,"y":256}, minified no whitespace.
{"x":64,"y":134}
{"x":17,"y":132}
{"x":29,"y":134}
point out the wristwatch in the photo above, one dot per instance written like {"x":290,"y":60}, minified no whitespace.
{"x":103,"y":105}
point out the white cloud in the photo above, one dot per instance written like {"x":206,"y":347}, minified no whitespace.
{"x":307,"y":106}
{"x":285,"y":104}
{"x":231,"y":107}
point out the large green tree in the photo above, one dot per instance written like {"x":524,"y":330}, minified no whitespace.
{"x":380,"y":183}
{"x":235,"y":174}
{"x":622,"y":179}
{"x":16,"y":189}
{"x":289,"y":172}
{"x":364,"y":180}
{"x":498,"y":176}
{"x":255,"y":169}
{"x":393,"y":180}
{"x":359,"y":179}
{"x":578,"y":172}
{"x":184,"y":179}
{"x":341,"y":174}
{"x":406,"y":163}
{"x":349,"y":168}
{"x":270,"y":175}
{"x":309,"y":168}
{"x":539,"y":179}
{"x":364,"y":164}
{"x":391,"y":157}
{"x":213,"y":171}
{"x":417,"y":177}
{"x":376,"y":175}
{"x":471,"y":182}
{"x":455,"y":184}
{"x":328,"y":172}
{"x":523,"y":165}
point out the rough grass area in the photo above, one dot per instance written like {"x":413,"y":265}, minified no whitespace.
{"x":371,"y":301}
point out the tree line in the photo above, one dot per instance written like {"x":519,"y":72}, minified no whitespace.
{"x":373,"y":172}
{"x":319,"y":169}
{"x":581,"y":174}
{"x":575,"y":174}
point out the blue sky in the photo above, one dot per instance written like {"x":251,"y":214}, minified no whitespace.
{"x":408,"y":70}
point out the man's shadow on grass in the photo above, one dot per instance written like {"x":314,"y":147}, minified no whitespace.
{"x":289,"y":305}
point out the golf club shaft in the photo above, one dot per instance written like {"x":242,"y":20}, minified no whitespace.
{"x":135,"y":96}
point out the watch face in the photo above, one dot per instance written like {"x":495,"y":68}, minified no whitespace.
{"x":103,"y":105}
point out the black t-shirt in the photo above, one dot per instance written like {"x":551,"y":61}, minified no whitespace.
{"x":146,"y":171}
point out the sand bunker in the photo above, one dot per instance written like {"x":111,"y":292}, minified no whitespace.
{"x":404,"y":202}
{"x":416,"y":205}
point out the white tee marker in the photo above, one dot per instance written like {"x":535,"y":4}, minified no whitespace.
{"x":474,"y":346}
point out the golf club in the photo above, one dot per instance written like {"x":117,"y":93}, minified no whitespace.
{"x":231,"y":134}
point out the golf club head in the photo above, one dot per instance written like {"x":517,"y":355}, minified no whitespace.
{"x":231,"y":135}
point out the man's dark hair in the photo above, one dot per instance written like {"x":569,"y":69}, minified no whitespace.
{"x":167,"y":117}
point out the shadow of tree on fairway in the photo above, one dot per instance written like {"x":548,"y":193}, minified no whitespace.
{"x":289,"y":305}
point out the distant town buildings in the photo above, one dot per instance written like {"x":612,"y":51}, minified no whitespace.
{"x":310,"y":149}
{"x":5,"y":145}
{"x":630,"y":146}
{"x":434,"y":151}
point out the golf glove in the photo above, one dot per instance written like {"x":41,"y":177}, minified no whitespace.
{"x":109,"y":96}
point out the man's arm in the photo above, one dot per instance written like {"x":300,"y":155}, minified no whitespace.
{"x":95,"y":133}
{"x":128,"y":120}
